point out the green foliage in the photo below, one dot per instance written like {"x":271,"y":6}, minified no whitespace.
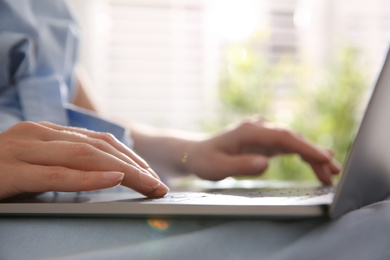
{"x":323,"y":105}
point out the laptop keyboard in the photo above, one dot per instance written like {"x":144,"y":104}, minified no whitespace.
{"x":285,"y":193}
{"x":302,"y":193}
{"x":280,"y":192}
{"x":181,"y":196}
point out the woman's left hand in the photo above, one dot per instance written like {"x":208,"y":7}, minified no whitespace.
{"x":245,"y":151}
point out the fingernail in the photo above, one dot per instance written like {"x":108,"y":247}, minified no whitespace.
{"x":160,"y":191}
{"x":117,"y":176}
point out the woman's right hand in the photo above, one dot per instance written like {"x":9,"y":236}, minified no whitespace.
{"x":40,"y":157}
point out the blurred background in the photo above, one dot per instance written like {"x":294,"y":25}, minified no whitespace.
{"x":200,"y":65}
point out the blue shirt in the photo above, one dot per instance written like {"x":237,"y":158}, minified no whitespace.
{"x":38,"y":51}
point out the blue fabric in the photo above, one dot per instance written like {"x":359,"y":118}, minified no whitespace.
{"x":38,"y":51}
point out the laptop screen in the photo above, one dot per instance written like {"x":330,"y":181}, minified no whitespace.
{"x":366,"y":176}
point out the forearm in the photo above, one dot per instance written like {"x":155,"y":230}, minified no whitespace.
{"x":164,"y":149}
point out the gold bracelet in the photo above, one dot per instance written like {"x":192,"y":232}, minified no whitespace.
{"x":184,"y":159}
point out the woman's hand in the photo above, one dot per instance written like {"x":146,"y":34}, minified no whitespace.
{"x":40,"y":157}
{"x":246,"y":148}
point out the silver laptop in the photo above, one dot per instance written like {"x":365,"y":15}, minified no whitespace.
{"x":365,"y":180}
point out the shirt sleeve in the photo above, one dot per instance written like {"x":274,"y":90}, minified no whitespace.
{"x":38,"y":51}
{"x":14,"y":49}
{"x":79,"y":117}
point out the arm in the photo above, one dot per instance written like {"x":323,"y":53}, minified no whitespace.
{"x":243,"y":149}
{"x":164,"y":149}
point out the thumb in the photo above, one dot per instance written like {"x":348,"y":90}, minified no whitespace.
{"x":245,"y":165}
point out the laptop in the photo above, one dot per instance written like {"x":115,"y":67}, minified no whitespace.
{"x":365,"y":180}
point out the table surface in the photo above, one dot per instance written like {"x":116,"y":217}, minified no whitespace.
{"x":361,"y":234}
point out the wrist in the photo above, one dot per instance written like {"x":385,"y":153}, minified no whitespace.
{"x":186,"y":156}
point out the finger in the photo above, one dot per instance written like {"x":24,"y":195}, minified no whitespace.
{"x":330,"y":152}
{"x":84,"y":157}
{"x":37,"y":178}
{"x":335,"y":167}
{"x":108,"y":138}
{"x":323,"y":173}
{"x":239,"y":165}
{"x":78,"y":137}
{"x":290,"y":142}
{"x":282,"y":140}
